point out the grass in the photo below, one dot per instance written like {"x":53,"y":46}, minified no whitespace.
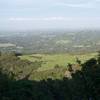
{"x":50,"y":60}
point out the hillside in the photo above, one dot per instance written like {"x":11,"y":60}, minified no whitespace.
{"x":21,"y":79}
{"x":49,"y":61}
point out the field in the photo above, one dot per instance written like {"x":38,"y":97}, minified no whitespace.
{"x":50,"y":60}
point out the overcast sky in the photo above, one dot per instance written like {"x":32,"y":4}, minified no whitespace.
{"x":41,"y":14}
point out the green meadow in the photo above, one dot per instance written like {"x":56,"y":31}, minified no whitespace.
{"x":49,"y":61}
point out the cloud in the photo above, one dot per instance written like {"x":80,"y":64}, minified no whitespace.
{"x":30,"y":23}
{"x":57,"y":18}
{"x":39,"y":19}
{"x":80,"y":5}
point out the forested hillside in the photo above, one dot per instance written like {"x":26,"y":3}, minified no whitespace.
{"x":79,"y":81}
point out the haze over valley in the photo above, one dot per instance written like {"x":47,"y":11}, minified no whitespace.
{"x":78,"y":41}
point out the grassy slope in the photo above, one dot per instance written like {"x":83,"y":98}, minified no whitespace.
{"x":50,"y":60}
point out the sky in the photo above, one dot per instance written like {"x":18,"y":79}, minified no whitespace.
{"x":49,"y":14}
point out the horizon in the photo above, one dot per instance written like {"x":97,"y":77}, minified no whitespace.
{"x":52,"y":30}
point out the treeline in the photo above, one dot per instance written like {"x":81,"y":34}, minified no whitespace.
{"x":83,"y":85}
